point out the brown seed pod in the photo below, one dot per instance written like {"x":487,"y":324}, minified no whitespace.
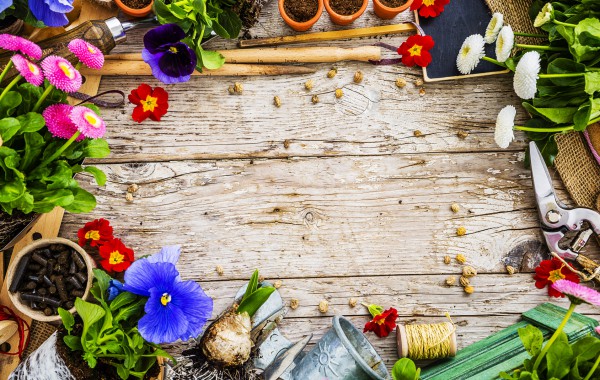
{"x":400,"y":82}
{"x":352,"y":302}
{"x":417,"y":133}
{"x":510,"y":270}
{"x":238,"y":88}
{"x":308,"y":85}
{"x":294,"y":303}
{"x":129,"y":197}
{"x":132,"y":188}
{"x":358,"y":76}
{"x":462,"y":134}
{"x":447,"y":259}
{"x":469,"y":271}
{"x":219,"y":270}
{"x":464,"y":281}
{"x":339,"y":93}
{"x":315,"y":99}
{"x":277,"y":284}
{"x":461,"y":259}
{"x":277,"y":101}
{"x":450,"y":280}
{"x":469,"y":289}
{"x":323,"y":306}
{"x":332,"y":73}
{"x":455,"y":207}
{"x":461,"y":231}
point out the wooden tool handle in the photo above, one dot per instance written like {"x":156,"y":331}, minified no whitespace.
{"x":117,"y":67}
{"x":329,"y":36}
{"x":285,"y":55}
{"x":7,"y":330}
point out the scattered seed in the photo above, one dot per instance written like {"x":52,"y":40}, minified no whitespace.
{"x":261,"y":278}
{"x":277,"y":101}
{"x":447,"y":259}
{"x":219,"y":270}
{"x":129,"y":197}
{"x":339,"y":93}
{"x":461,"y":259}
{"x":469,"y":289}
{"x":133,"y":188}
{"x":450,"y":280}
{"x":455,"y":207}
{"x":461,"y":231}
{"x":315,"y":99}
{"x":294,"y":304}
{"x":358,"y":76}
{"x":237,"y":88}
{"x":422,"y":91}
{"x":323,"y":306}
{"x":510,"y":270}
{"x":469,"y":271}
{"x":464,"y":281}
{"x":308,"y":85}
{"x":352,"y":302}
{"x":286,"y":144}
{"x":419,"y":82}
{"x":230,"y":90}
{"x":277,"y":284}
{"x":400,"y":82}
{"x":331,"y":73}
{"x":462,"y":134}
{"x":417,"y":133}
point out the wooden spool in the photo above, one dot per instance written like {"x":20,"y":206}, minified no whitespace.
{"x":402,"y":341}
{"x":7,"y":330}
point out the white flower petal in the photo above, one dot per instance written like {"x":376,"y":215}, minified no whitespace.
{"x":471,"y":52}
{"x":545,"y":15}
{"x":526,"y":75}
{"x":493,"y":28}
{"x":504,"y":43}
{"x":503,"y":135}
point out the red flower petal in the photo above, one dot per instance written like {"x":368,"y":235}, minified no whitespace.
{"x":139,"y":115}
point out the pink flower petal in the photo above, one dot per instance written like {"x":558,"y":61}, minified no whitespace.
{"x":88,"y":122}
{"x":61,"y":73}
{"x":87,"y":53}
{"x":28,"y":70}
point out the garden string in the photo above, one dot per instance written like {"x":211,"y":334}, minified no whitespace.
{"x":583,"y":276}
{"x":7,"y":314}
{"x":429,"y":341}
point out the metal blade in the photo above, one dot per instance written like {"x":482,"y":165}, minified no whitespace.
{"x":542,"y":182}
{"x":283,"y":362}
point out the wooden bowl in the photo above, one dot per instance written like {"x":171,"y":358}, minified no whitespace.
{"x":38,"y":315}
{"x":339,"y":19}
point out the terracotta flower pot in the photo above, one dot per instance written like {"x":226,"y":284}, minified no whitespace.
{"x":133,"y":12}
{"x":386,"y":13}
{"x":300,"y":26}
{"x":339,"y":19}
{"x":38,"y":315}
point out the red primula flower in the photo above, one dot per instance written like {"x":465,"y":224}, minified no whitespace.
{"x":383,"y":323}
{"x":117,"y":257}
{"x":550,"y":271}
{"x":152,"y":103}
{"x":96,"y":232}
{"x":429,"y":8}
{"x":415,"y":50}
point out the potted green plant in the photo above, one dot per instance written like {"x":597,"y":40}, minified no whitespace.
{"x":44,"y":140}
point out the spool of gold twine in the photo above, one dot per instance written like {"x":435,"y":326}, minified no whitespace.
{"x":426,"y":341}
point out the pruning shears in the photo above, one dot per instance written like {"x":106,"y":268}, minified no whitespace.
{"x":557,"y":219}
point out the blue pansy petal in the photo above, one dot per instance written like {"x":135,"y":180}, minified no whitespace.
{"x":162,"y":324}
{"x":5,"y":4}
{"x":142,"y":276}
{"x":179,"y":64}
{"x":115,"y":288}
{"x":168,"y":254}
{"x":42,"y":12}
{"x":60,"y":6}
{"x":189,"y":297}
{"x":156,"y":39}
{"x":152,"y":60}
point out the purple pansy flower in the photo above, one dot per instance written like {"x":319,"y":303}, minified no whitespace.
{"x":171,"y":60}
{"x":115,"y":287}
{"x":175,"y":309}
{"x":51,"y":12}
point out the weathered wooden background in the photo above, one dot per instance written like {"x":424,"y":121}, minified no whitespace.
{"x":337,"y":199}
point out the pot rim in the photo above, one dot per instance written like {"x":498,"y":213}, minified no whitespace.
{"x":295,"y":24}
{"x":135,"y":12}
{"x":340,"y":331}
{"x":346,"y":18}
{"x":14,"y":297}
{"x":399,"y":9}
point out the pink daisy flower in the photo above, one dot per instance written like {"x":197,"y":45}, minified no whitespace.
{"x":61,"y":74}
{"x":58,"y":122}
{"x":20,"y":44}
{"x":597,"y":329}
{"x":577,"y":294}
{"x":88,"y":122}
{"x":28,"y":70}
{"x":87,"y":53}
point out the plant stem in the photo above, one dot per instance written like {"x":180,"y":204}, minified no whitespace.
{"x":563,"y":23}
{"x":540,"y":47}
{"x":552,"y":130}
{"x":560,"y":328}
{"x":59,"y":151}
{"x":596,"y":363}
{"x":9,"y":65}
{"x":594,"y":62}
{"x":573,"y":75}
{"x":530,"y":35}
{"x":10,"y":85}
{"x":495,"y":62}
{"x":42,"y":98}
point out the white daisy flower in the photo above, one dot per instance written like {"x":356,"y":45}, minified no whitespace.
{"x":504,"y":43}
{"x":545,"y":15}
{"x":493,"y":28}
{"x":526,"y":75}
{"x":504,"y":135}
{"x":471,"y":52}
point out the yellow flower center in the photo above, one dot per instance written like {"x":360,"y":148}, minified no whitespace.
{"x":173,"y":49}
{"x":415,"y":50}
{"x":380,"y":321}
{"x":165,"y":299}
{"x":116,"y":257}
{"x":555,"y":275}
{"x":428,"y":3}
{"x":33,"y":68}
{"x":92,"y":49}
{"x":150,"y":103}
{"x":92,"y":119}
{"x":93,"y":235}
{"x":66,"y":69}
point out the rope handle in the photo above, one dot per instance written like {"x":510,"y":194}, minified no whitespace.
{"x":393,"y":61}
{"x":7,"y":314}
{"x":94,"y":99}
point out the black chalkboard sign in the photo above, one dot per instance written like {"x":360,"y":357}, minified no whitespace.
{"x":460,"y":19}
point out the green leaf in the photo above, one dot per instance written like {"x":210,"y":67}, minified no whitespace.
{"x":9,"y":126}
{"x":253,"y":302}
{"x":211,"y":59}
{"x":556,"y":115}
{"x":73,"y":342}
{"x":98,"y":174}
{"x":89,"y":314}
{"x":559,"y":359}
{"x":34,"y":145}
{"x":588,"y":32}
{"x":67,"y":319}
{"x":592,"y":82}
{"x":122,"y":372}
{"x":11,"y":100}
{"x":581,"y":118}
{"x":566,"y":66}
{"x":96,"y":148}
{"x":532,"y":339}
{"x":586,"y":348}
{"x":90,"y":358}
{"x":103,"y":280}
{"x":31,"y":122}
{"x":122,"y":299}
{"x":228,"y":24}
{"x":128,"y":311}
{"x":83,"y":201}
{"x":404,"y":369}
{"x":375,"y":310}
{"x":46,"y":200}
{"x":252,"y":285}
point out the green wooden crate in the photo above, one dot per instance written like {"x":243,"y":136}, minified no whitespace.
{"x":503,"y":351}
